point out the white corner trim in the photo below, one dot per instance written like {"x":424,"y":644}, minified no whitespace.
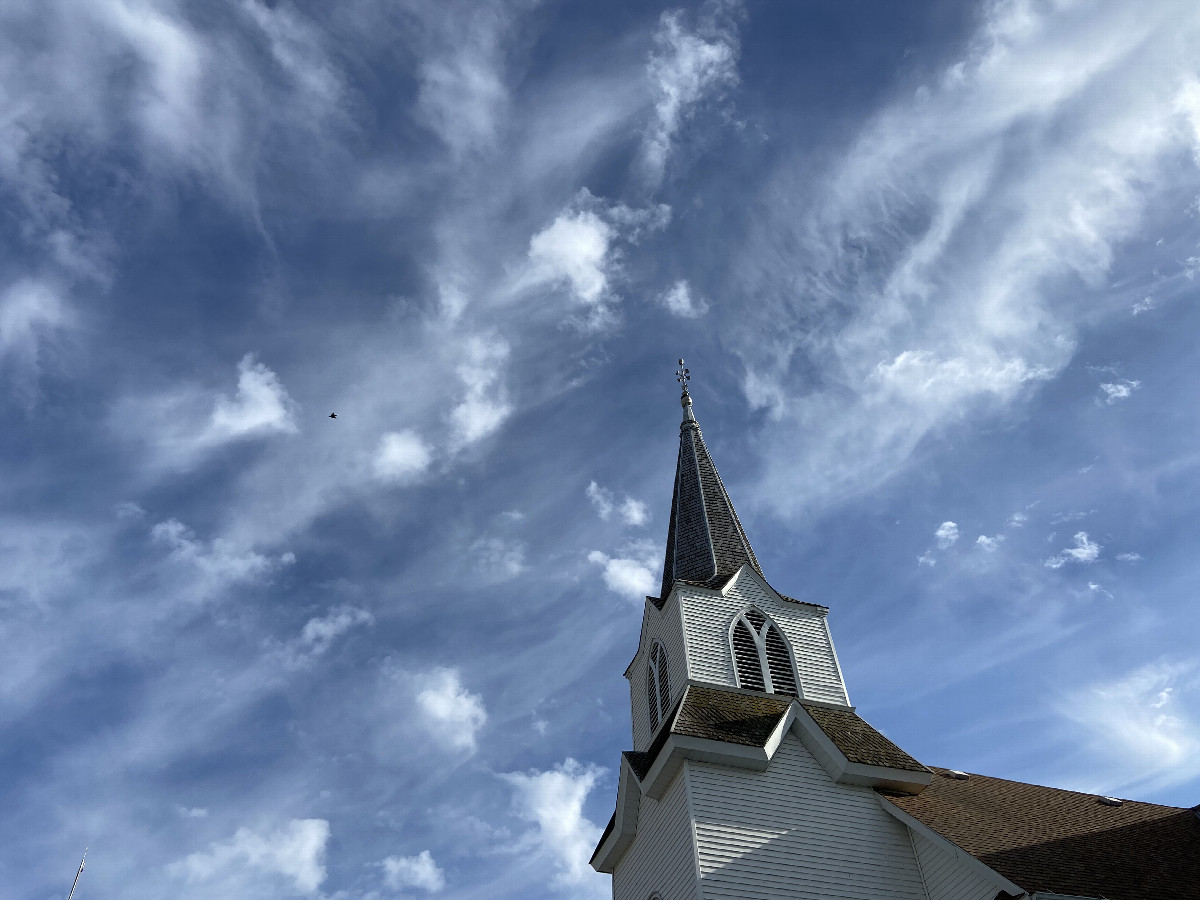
{"x":837,"y":663}
{"x":962,"y":856}
{"x":629,"y":802}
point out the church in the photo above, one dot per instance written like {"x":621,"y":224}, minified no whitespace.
{"x":752,"y":777}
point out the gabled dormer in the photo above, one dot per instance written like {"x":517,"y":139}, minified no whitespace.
{"x":716,"y":620}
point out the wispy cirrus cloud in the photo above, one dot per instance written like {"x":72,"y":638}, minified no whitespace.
{"x":687,"y":67}
{"x":927,"y":312}
{"x":1143,"y":733}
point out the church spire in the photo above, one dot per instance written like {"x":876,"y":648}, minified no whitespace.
{"x":705,"y":541}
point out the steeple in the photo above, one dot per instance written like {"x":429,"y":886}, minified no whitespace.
{"x":706,"y":543}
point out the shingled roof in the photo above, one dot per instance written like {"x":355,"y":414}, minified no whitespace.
{"x":706,"y":543}
{"x":1064,"y":842}
{"x":859,"y":741}
{"x":750,"y":718}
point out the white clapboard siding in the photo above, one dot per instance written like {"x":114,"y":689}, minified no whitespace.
{"x":946,"y":878}
{"x":665,"y":627}
{"x":706,"y":620}
{"x":662,"y":858}
{"x":791,"y":832}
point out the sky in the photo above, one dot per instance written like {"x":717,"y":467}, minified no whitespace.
{"x":933,"y":266}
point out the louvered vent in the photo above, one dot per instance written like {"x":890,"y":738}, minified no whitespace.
{"x":652,"y":699}
{"x":779,"y":661}
{"x":664,"y":683}
{"x":658,"y":685}
{"x":762,"y":656}
{"x":745,"y":654}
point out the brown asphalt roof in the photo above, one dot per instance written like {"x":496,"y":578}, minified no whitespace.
{"x":1064,"y":842}
{"x":859,"y":741}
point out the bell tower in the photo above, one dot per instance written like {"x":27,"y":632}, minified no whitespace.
{"x":751,"y":775}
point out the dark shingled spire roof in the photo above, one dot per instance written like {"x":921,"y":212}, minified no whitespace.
{"x":706,"y":543}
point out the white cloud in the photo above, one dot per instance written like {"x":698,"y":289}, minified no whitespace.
{"x":452,"y":714}
{"x":498,"y":558}
{"x":31,"y":313}
{"x":927,"y":559}
{"x":573,"y":251}
{"x":1074,"y":516}
{"x":1142,"y":725}
{"x":553,"y":800}
{"x":1143,"y":306}
{"x":1099,"y":589}
{"x":418,"y":871}
{"x":578,"y":252}
{"x":602,"y":499}
{"x":920,"y":374}
{"x":679,"y":301}
{"x":220,"y":561}
{"x":1129,"y":557}
{"x":1120,"y":390}
{"x":295,"y":852}
{"x":990,"y":544}
{"x":1017,"y":520}
{"x":128,"y":511}
{"x":634,"y":512}
{"x":320,"y":632}
{"x":401,"y":456}
{"x":261,"y":405}
{"x":630,"y":576}
{"x":484,"y":406}
{"x":946,"y":534}
{"x":1085,"y":551}
{"x":685,"y":68}
{"x":463,"y":96}
{"x":631,"y":511}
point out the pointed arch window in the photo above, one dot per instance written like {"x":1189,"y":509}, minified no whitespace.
{"x":658,"y":685}
{"x":761,"y":654}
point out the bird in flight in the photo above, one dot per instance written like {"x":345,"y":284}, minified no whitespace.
{"x":333,"y":415}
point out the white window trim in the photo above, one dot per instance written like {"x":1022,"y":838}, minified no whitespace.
{"x":760,"y":644}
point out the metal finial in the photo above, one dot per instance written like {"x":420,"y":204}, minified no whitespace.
{"x":683,"y":376}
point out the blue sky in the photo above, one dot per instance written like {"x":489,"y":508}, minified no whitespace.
{"x":934,"y":268}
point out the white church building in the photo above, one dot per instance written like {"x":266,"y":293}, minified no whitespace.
{"x":753,"y":778}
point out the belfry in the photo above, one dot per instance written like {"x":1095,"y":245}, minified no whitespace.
{"x":753,"y":777}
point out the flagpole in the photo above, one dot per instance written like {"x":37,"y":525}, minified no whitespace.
{"x":82,"y":863}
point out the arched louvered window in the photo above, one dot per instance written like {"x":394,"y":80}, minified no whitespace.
{"x":761,"y":655}
{"x":658,"y":685}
